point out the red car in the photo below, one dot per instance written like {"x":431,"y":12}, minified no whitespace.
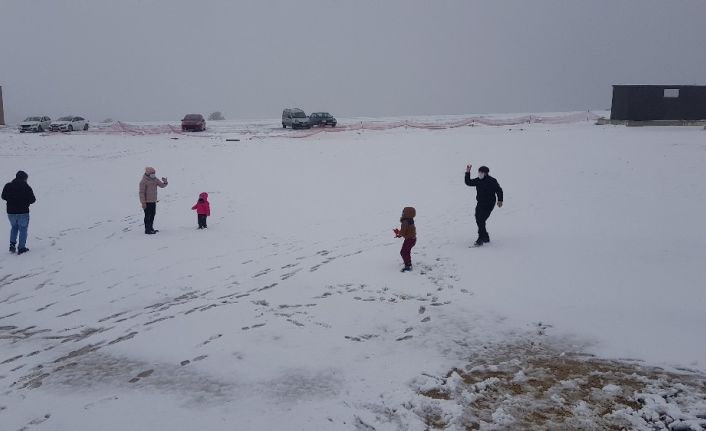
{"x":194,"y":122}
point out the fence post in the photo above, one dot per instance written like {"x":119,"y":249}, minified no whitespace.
{"x":2,"y":112}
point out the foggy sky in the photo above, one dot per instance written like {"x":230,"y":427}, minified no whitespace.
{"x":159,"y":59}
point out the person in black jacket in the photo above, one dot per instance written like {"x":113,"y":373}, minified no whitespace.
{"x":19,"y":197}
{"x":487,"y":188}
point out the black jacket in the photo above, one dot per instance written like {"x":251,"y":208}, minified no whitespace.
{"x":19,"y":196}
{"x":486,"y":189}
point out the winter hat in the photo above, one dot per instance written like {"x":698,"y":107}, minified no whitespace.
{"x":21,"y":175}
{"x":150,"y":170}
{"x":409,"y":212}
{"x":484,"y":169}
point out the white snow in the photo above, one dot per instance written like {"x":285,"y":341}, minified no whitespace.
{"x":291,"y":310}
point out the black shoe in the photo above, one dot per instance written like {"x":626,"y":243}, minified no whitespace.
{"x":406,"y":268}
{"x":486,"y":239}
{"x":22,"y":250}
{"x":150,"y":232}
{"x":12,"y":247}
{"x":200,"y":227}
{"x":479,"y":242}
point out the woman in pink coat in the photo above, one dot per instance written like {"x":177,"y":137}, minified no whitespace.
{"x":203,"y":210}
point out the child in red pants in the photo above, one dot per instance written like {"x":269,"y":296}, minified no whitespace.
{"x":203,"y":210}
{"x":407,"y":231}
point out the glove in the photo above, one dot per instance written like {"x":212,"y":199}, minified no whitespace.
{"x":397,"y":232}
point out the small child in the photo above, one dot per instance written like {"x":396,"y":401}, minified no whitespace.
{"x":203,"y":210}
{"x":407,"y":231}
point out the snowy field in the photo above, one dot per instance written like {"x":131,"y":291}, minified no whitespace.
{"x":290,"y":313}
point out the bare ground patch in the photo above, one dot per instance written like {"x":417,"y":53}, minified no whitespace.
{"x":535,"y":387}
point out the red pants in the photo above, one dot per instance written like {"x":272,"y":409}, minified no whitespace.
{"x":406,"y":251}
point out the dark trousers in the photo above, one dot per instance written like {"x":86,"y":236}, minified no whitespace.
{"x":202,"y":220}
{"x":483,"y":211}
{"x":150,"y":212}
{"x":406,"y":251}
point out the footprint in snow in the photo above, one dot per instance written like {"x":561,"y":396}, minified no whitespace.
{"x":212,"y":338}
{"x":363,"y":337}
{"x":69,"y":313}
{"x":13,"y":359}
{"x":36,"y":421}
{"x":141,"y":375}
{"x":45,"y":307}
{"x":261,"y":273}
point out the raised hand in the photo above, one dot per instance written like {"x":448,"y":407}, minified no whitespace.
{"x":468,"y":169}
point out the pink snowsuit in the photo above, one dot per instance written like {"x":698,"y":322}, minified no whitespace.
{"x":202,"y":207}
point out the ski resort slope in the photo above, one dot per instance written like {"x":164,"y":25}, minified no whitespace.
{"x":290,"y":313}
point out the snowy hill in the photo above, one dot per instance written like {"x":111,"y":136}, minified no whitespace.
{"x":290,"y":312}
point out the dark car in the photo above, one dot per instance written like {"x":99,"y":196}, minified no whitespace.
{"x":322,"y":119}
{"x":194,"y":122}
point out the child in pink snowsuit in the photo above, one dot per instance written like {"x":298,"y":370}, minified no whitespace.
{"x":203,"y":210}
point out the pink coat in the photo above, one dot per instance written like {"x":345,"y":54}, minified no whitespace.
{"x":202,"y":207}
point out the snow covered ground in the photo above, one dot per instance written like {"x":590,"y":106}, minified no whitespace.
{"x":290,"y":313}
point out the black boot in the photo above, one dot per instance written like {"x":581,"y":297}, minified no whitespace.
{"x":22,"y":250}
{"x":406,"y":268}
{"x":486,"y":238}
{"x":12,"y":247}
{"x":479,"y":242}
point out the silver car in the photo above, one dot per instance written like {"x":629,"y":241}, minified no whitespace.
{"x":295,"y":118}
{"x":69,"y":124}
{"x":35,"y":124}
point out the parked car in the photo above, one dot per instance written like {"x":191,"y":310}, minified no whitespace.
{"x":194,"y":122}
{"x":322,"y":119}
{"x":69,"y":124}
{"x":35,"y":124}
{"x":295,"y":118}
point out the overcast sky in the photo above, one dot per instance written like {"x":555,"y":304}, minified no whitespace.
{"x":159,"y":59}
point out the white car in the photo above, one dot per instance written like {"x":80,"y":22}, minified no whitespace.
{"x":69,"y":124}
{"x":35,"y":124}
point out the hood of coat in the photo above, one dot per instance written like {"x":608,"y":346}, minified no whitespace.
{"x":203,"y":196}
{"x":409,"y":212}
